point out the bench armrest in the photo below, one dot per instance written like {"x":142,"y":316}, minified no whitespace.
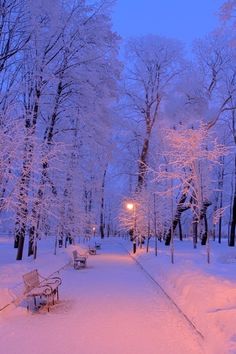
{"x":54,"y":280}
{"x":51,"y":280}
{"x":45,"y":290}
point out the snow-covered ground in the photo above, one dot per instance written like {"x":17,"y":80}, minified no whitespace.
{"x":205,"y":292}
{"x":114,"y":307}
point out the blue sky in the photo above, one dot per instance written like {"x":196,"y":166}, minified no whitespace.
{"x":181,"y":19}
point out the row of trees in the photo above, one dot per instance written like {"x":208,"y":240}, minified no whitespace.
{"x":58,"y":80}
{"x":79,"y":135}
{"x":181,"y":115}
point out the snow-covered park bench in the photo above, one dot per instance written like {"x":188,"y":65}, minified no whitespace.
{"x":38,"y":286}
{"x":92,"y":250}
{"x":98,"y":245}
{"x":79,"y":261}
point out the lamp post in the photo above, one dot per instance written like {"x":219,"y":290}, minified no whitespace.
{"x":131,"y":207}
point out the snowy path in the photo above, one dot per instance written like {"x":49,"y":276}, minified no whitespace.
{"x":111,"y":307}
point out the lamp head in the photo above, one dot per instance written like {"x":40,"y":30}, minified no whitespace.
{"x":130,"y":206}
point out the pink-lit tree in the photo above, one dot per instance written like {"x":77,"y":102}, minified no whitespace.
{"x":189,"y":157}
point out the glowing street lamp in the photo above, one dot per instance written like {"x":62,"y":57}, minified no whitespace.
{"x":131,"y":207}
{"x":94,"y":229}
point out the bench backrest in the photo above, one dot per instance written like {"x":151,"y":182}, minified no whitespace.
{"x":31,"y":280}
{"x":75,"y":254}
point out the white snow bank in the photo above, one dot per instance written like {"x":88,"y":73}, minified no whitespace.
{"x":205,"y":292}
{"x":210,"y":303}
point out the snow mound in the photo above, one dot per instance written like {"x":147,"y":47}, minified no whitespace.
{"x":227,"y":258}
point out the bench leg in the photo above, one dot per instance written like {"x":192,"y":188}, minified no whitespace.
{"x":55,"y":293}
{"x":76,"y":265}
{"x":48,"y":303}
{"x":29,"y":300}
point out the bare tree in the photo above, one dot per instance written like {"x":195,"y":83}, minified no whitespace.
{"x":155,"y":62}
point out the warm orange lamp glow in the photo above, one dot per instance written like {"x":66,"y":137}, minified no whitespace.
{"x":130,"y":206}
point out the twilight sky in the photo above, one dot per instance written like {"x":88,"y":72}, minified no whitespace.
{"x":181,"y":19}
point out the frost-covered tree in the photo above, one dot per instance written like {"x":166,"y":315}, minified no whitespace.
{"x":67,"y":81}
{"x":227,"y":16}
{"x":189,"y":156}
{"x":207,"y":91}
{"x":154,"y":63}
{"x":39,"y":57}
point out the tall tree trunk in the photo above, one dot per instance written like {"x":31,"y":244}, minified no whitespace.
{"x":231,"y":241}
{"x":180,"y":231}
{"x":150,"y":119}
{"x":148,"y":233}
{"x":3,"y":183}
{"x":142,"y":165}
{"x":181,"y":207}
{"x":205,"y":237}
{"x":220,"y":222}
{"x":22,"y":209}
{"x":215,"y":209}
{"x":48,"y":137}
{"x":203,"y":216}
{"x":155,"y":222}
{"x":232,"y":229}
{"x":195,"y":231}
{"x":102,"y":223}
{"x":109,"y":222}
{"x":143,"y":159}
{"x":216,"y":202}
{"x":221,"y":185}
